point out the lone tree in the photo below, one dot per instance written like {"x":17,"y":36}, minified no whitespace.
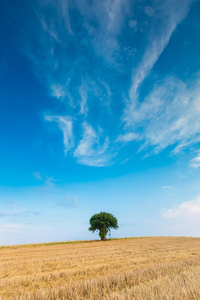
{"x":103,"y":222}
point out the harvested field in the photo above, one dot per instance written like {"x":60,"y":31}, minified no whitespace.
{"x":133,"y":268}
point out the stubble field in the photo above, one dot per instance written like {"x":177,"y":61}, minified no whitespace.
{"x":140,"y":268}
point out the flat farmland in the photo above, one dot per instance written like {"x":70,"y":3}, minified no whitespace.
{"x":132,"y":268}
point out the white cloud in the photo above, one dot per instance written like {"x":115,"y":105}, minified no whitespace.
{"x":91,"y":151}
{"x":58,"y":91}
{"x":110,"y":16}
{"x":66,"y":125}
{"x":171,"y":13}
{"x":61,"y":56}
{"x":169,"y":115}
{"x":167,"y":187}
{"x":188,"y":209}
{"x":83,"y":103}
{"x":86,"y":144}
{"x":128,"y":137}
{"x":195,"y":162}
{"x":63,"y":7}
{"x":46,"y":42}
{"x":162,"y":118}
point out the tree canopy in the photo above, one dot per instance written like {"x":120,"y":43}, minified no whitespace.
{"x":103,"y":222}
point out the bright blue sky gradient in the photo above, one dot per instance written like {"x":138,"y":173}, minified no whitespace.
{"x":99,"y":111}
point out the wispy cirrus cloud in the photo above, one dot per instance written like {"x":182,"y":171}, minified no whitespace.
{"x":65,"y":124}
{"x":167,"y":15}
{"x":169,"y":115}
{"x":195,"y":162}
{"x":103,"y":22}
{"x":92,"y":55}
{"x":167,"y":187}
{"x":128,"y":137}
{"x":92,"y":150}
{"x":161,"y":119}
{"x":58,"y":91}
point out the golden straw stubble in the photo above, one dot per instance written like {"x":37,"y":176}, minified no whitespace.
{"x":130,"y":268}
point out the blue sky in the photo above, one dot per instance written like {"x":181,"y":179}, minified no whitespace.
{"x":99,"y":111}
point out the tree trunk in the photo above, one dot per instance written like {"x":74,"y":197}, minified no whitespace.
{"x":103,"y":233}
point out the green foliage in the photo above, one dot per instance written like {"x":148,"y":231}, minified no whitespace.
{"x":103,"y":222}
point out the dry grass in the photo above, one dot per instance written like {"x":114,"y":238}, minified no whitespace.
{"x":142,"y":268}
